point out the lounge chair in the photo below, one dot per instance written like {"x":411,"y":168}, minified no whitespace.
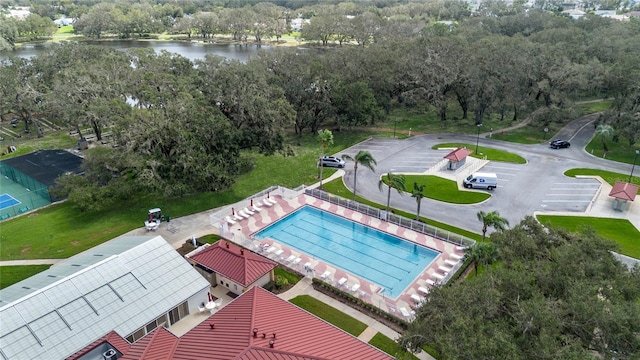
{"x":404,"y":312}
{"x":438,"y":276}
{"x":256,"y":208}
{"x":270,"y":201}
{"x":265,"y":203}
{"x":417,"y":298}
{"x":248,"y":211}
{"x":244,"y":214}
{"x":460,"y":248}
{"x":290,"y":258}
{"x":279,"y":252}
{"x":238,"y":217}
{"x":342,"y":281}
{"x":355,"y":287}
{"x":455,"y":256}
{"x":430,"y":282}
{"x":296,"y":261}
{"x":230,"y":220}
{"x":325,"y":274}
{"x":451,"y":262}
{"x":271,"y":249}
{"x":445,"y":269}
{"x":423,"y":290}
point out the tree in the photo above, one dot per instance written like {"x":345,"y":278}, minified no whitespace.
{"x":418,"y":194}
{"x":555,"y":295}
{"x":492,"y":219}
{"x":605,"y":131}
{"x":362,"y":157}
{"x":480,"y":253}
{"x":393,"y":181}
{"x":325,"y":137}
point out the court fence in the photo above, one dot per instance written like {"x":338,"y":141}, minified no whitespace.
{"x":414,"y":225}
{"x":23,"y":193}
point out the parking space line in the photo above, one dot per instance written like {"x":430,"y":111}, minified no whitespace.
{"x":588,"y":194}
{"x":501,"y":167}
{"x":566,"y":201}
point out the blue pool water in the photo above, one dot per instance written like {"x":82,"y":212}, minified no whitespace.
{"x":378,"y":257}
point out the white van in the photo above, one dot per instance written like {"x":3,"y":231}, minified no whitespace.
{"x":480,"y":180}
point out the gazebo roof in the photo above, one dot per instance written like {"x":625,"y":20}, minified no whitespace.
{"x":458,"y":154}
{"x":624,"y":190}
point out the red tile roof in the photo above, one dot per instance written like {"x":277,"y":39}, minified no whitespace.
{"x":233,"y":262}
{"x":115,"y":340}
{"x":157,"y":345}
{"x":296,"y":334}
{"x":624,"y":190}
{"x":458,"y":154}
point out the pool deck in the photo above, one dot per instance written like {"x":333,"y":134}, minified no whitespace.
{"x":402,"y":306}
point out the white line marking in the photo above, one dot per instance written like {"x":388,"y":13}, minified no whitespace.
{"x":566,"y":201}
{"x":589,"y":195}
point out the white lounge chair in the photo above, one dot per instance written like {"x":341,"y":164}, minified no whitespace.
{"x":460,"y":248}
{"x":417,"y":298}
{"x":455,"y":256}
{"x":256,"y":208}
{"x":290,"y":258}
{"x":296,"y":261}
{"x":244,"y":214}
{"x":342,"y":281}
{"x":423,"y":290}
{"x":271,"y":249}
{"x":264,"y":202}
{"x":237,"y":217}
{"x":325,"y":274}
{"x":430,"y":282}
{"x":445,"y":269}
{"x":355,"y":287}
{"x":404,"y":312}
{"x":438,"y":276}
{"x":279,"y":252}
{"x":451,"y":262}
{"x":269,"y":200}
{"x":230,"y":220}
{"x":248,"y":211}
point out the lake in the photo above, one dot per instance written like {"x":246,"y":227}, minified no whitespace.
{"x":190,"y":50}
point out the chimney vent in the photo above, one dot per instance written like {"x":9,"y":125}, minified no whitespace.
{"x":212,"y":325}
{"x":264,"y":335}
{"x":241,"y":251}
{"x":255,"y":332}
{"x":227,"y":245}
{"x":271,"y":342}
{"x":274,"y":335}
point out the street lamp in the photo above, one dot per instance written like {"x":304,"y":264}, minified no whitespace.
{"x":634,"y":165}
{"x":478,"y":139}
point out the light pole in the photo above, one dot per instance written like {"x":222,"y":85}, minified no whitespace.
{"x":478,"y":139}
{"x":634,"y":165}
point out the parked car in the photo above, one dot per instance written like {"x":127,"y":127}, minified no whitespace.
{"x":559,"y":144}
{"x":332,"y":161}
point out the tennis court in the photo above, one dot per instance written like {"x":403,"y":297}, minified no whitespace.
{"x":7,"y":200}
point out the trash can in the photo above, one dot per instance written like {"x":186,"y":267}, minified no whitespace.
{"x":168,"y":218}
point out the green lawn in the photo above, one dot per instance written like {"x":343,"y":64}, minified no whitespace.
{"x":608,"y":176}
{"x":619,"y":151}
{"x":530,"y":134}
{"x":60,"y":231}
{"x":619,"y":230}
{"x":389,"y":346}
{"x":291,"y":277}
{"x":330,"y":314}
{"x":445,"y":190}
{"x":594,"y":107}
{"x":337,"y":187}
{"x":14,"y":274}
{"x":491,"y":154}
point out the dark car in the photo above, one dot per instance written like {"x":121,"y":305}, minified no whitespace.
{"x":332,"y":161}
{"x":559,"y":144}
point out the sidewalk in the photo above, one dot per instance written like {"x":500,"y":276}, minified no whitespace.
{"x":304,"y":287}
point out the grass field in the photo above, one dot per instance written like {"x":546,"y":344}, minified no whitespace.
{"x":529,"y":134}
{"x":330,"y":314}
{"x":619,"y":230}
{"x":594,"y":107}
{"x":445,"y":190}
{"x":619,"y":151}
{"x":490,"y":153}
{"x":608,"y":176}
{"x":14,"y":274}
{"x":389,"y":346}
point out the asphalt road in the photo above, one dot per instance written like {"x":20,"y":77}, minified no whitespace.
{"x":538,"y":185}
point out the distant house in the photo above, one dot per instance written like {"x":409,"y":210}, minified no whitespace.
{"x":256,"y":325}
{"x":231,"y":266}
{"x":574,"y":13}
{"x":130,"y":285}
{"x":64,"y":21}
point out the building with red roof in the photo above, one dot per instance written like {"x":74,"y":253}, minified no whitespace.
{"x":457,"y":158}
{"x":256,"y":325}
{"x":623,"y":193}
{"x":232,"y":266}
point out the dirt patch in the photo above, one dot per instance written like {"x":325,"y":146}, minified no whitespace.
{"x":75,"y":243}
{"x":25,"y":249}
{"x":33,"y":214}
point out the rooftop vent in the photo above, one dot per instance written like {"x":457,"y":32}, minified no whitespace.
{"x":241,"y":251}
{"x":271,"y":343}
{"x":227,"y":245}
{"x":255,"y":332}
{"x":212,"y":325}
{"x":109,"y":355}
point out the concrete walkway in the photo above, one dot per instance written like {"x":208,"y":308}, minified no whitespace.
{"x":31,"y":262}
{"x":305,"y":287}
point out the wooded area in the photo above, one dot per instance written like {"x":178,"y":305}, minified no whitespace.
{"x":179,"y":126}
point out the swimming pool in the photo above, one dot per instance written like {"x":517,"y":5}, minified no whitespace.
{"x":381,"y":258}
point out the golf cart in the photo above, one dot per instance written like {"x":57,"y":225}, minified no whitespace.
{"x":155,"y":215}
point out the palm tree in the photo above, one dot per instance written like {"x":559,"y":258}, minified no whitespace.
{"x":480,"y":253}
{"x":362,"y":157}
{"x":418,"y":194}
{"x":395,"y":181}
{"x":326,"y":138}
{"x":605,"y":131}
{"x":492,"y":219}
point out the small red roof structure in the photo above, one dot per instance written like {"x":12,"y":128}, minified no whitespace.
{"x":158,"y":344}
{"x":458,"y":154}
{"x":624,"y":190}
{"x":229,"y":260}
{"x":115,"y":341}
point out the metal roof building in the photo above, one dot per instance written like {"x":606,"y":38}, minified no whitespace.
{"x":132,"y":285}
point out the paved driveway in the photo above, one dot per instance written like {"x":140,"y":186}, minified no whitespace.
{"x":538,"y":185}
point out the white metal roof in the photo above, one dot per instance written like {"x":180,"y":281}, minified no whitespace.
{"x":120,"y":285}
